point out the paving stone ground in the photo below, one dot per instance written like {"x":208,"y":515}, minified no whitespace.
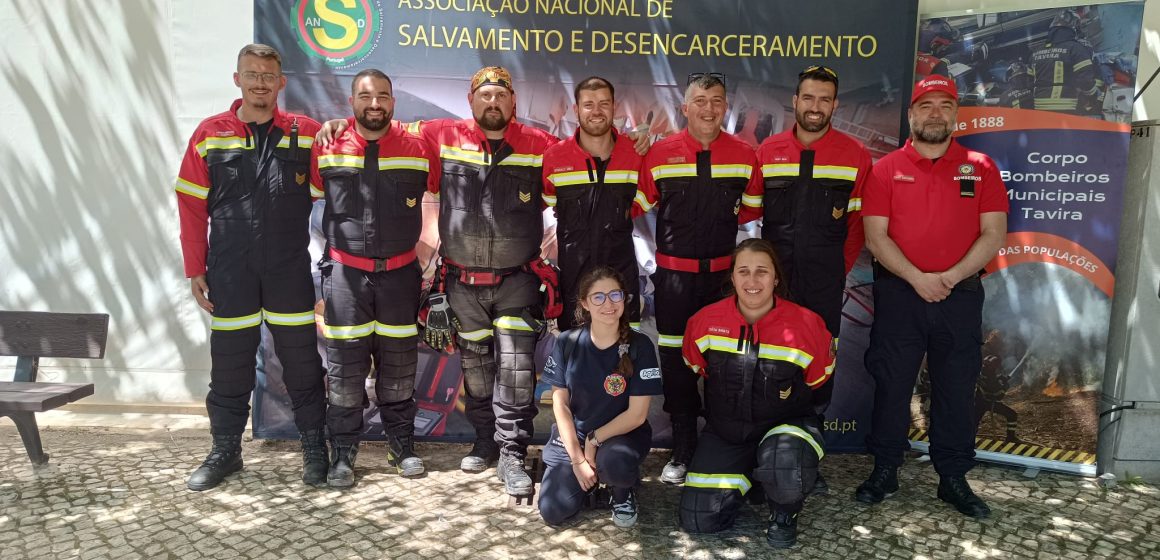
{"x":120,"y":493}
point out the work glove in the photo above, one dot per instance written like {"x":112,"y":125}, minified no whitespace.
{"x":441,"y":324}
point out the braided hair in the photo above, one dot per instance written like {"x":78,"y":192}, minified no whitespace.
{"x":583,"y":317}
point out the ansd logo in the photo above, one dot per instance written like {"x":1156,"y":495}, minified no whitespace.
{"x":340,"y":32}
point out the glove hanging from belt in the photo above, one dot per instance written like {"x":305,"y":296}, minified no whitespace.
{"x":549,"y":277}
{"x":440,"y":322}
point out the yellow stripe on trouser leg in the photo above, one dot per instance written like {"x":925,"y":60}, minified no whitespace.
{"x":236,"y":323}
{"x":737,"y":482}
{"x":289,"y":319}
{"x":796,"y":432}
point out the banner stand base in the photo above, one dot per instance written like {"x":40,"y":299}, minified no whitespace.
{"x":1018,"y":461}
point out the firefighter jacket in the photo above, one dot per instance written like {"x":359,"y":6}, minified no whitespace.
{"x":374,"y":191}
{"x":1066,"y":78}
{"x":593,"y":205}
{"x":490,"y":201}
{"x":700,"y":195}
{"x":761,"y":375}
{"x":926,"y":64}
{"x":812,"y":208}
{"x":257,"y":200}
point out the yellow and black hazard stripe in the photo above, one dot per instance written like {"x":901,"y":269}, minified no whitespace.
{"x":1020,"y":449}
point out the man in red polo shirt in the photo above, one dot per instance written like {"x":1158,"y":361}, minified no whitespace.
{"x":934,"y":213}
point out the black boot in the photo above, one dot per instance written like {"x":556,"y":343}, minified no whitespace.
{"x":341,"y":474}
{"x":225,"y":458}
{"x":684,"y":444}
{"x":314,"y":460}
{"x":782,"y":532}
{"x":510,"y":471}
{"x":401,"y":455}
{"x":820,"y":486}
{"x":954,"y":490}
{"x":883,"y":483}
{"x":483,"y":453}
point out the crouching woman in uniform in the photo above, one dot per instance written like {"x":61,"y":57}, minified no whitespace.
{"x":766,"y":362}
{"x":602,"y":374}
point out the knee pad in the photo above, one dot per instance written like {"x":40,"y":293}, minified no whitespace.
{"x":234,"y":350}
{"x":346,"y":373}
{"x":517,"y":377}
{"x":395,"y":384}
{"x":478,"y":374}
{"x":787,"y":464}
{"x":708,"y":510}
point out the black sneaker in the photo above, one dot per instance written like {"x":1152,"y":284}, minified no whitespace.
{"x":511,"y":473}
{"x":782,"y":532}
{"x":624,"y":513}
{"x":225,"y":458}
{"x":483,"y":453}
{"x":955,"y":491}
{"x":882,"y":484}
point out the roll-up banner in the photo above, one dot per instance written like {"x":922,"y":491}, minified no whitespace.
{"x":1048,"y":95}
{"x":647,"y":49}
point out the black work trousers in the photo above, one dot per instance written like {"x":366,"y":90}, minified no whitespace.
{"x":949,"y":334}
{"x":678,"y":296}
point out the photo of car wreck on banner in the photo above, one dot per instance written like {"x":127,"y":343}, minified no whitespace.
{"x":647,"y":49}
{"x":1048,"y":95}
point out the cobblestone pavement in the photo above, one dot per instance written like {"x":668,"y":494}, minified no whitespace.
{"x":120,"y":493}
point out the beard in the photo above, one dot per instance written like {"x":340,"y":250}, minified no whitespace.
{"x":931,"y":131}
{"x":808,"y":126}
{"x":376,"y":124}
{"x":493,"y":120}
{"x":596,"y":129}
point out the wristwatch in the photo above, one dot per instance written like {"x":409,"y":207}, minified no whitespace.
{"x":592,"y":438}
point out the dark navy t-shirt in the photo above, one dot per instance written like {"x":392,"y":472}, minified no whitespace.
{"x":598,"y":394}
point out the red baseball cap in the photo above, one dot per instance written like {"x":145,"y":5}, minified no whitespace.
{"x":932,"y":84}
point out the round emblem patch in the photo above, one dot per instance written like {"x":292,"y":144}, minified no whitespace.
{"x":966,"y":169}
{"x":614,"y":384}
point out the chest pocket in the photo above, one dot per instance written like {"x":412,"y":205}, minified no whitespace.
{"x":294,"y":171}
{"x":570,"y":204}
{"x":457,"y":187}
{"x":619,"y":198}
{"x":675,"y":198}
{"x":518,"y":189}
{"x":778,"y":204}
{"x":778,"y":386}
{"x":726,"y":201}
{"x":725,"y":386}
{"x":405,"y":200}
{"x":342,"y":191}
{"x":225,"y":175}
{"x":833,"y":200}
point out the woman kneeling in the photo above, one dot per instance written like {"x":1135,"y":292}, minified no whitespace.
{"x":602,"y":376}
{"x":765,"y":361}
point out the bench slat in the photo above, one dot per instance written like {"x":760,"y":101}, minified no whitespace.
{"x":53,"y":335}
{"x":39,"y":397}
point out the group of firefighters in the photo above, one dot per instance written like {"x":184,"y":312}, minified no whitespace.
{"x":932,"y":212}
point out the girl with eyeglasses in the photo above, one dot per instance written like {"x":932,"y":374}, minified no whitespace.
{"x":766,"y":362}
{"x":602,"y":374}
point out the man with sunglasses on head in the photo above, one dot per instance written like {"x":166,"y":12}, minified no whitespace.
{"x":813,"y":177}
{"x":244,"y":197}
{"x":703,"y":182}
{"x":590,"y":180}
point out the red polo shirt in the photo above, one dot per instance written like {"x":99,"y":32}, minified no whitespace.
{"x":933,"y":209}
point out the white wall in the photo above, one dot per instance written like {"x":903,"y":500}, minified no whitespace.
{"x":96,"y":101}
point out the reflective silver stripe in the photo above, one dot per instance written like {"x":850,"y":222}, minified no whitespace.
{"x":835,"y":172}
{"x":549,"y":199}
{"x":675,"y":170}
{"x":221,"y":143}
{"x":336,"y":332}
{"x":303,"y":141}
{"x":737,"y":171}
{"x":526,"y":160}
{"x":289,"y":319}
{"x":340,"y":160}
{"x":785,"y":354}
{"x":415,"y":163}
{"x":670,"y":341}
{"x":236,"y":323}
{"x":797,"y":432}
{"x":855,"y":205}
{"x":192,"y":189}
{"x":642,"y":201}
{"x":737,"y":482}
{"x":476,"y":336}
{"x":459,"y":154}
{"x":512,"y":323}
{"x":752,"y":200}
{"x":569,"y":178}
{"x":396,"y":331}
{"x":780,"y":170}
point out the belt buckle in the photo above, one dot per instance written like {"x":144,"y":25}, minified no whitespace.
{"x":704,"y":265}
{"x":380,"y":265}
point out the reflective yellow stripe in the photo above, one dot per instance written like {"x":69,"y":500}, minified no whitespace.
{"x":855,"y":205}
{"x":785,"y":354}
{"x":523,"y":160}
{"x":670,"y":341}
{"x":549,"y":199}
{"x":569,"y":178}
{"x":336,"y":332}
{"x":222,"y":143}
{"x":512,"y":323}
{"x":303,"y":142}
{"x":476,"y":336}
{"x":417,"y":164}
{"x":753,"y":201}
{"x":289,"y":319}
{"x":835,"y":172}
{"x":676,"y":170}
{"x":826,"y":375}
{"x":315,"y":191}
{"x":737,"y":482}
{"x":696,"y":368}
{"x":796,"y":432}
{"x":1082,"y":64}
{"x":396,"y":331}
{"x":737,"y":171}
{"x":192,"y":189}
{"x":634,"y":326}
{"x":642,"y":201}
{"x":236,"y":323}
{"x":340,"y":160}
{"x":621,"y":177}
{"x":718,"y":343}
{"x":780,"y":170}
{"x":1055,"y":104}
{"x":459,"y":154}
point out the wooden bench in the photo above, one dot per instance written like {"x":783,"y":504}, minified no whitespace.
{"x":34,"y":335}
